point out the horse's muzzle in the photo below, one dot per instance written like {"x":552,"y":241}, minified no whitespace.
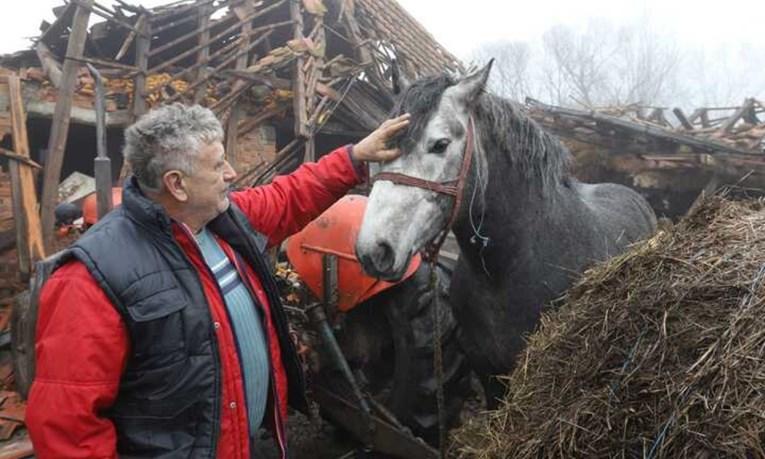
{"x":379,"y":260}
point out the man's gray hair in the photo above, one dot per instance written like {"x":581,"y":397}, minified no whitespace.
{"x":168,"y":138}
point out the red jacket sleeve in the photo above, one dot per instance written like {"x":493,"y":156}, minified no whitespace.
{"x":81,"y":350}
{"x":290,"y":202}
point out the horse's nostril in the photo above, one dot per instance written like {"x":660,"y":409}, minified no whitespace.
{"x":384,"y":256}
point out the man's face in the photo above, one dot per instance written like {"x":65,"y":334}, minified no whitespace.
{"x":208,"y":185}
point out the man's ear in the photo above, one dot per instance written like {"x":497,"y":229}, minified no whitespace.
{"x":175,"y":186}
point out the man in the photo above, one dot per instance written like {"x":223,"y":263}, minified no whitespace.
{"x":160,"y":333}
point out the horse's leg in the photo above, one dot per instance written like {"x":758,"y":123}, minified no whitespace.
{"x":494,"y":390}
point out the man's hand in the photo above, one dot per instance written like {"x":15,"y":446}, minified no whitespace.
{"x":374,"y":147}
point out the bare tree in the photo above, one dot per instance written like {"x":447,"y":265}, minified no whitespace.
{"x":511,"y":76}
{"x":599,"y":65}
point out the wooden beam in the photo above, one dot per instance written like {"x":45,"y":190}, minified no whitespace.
{"x":733,"y":119}
{"x":218,"y":67}
{"x":50,"y":65}
{"x":298,"y":76}
{"x":60,"y":125}
{"x":29,"y":240}
{"x":640,"y":129}
{"x":196,"y":48}
{"x":21,"y":158}
{"x":90,"y":6}
{"x":204,"y":54}
{"x":131,"y":36}
{"x":103,"y":63}
{"x":142,"y":45}
{"x":221,"y":34}
{"x":681,"y":117}
{"x":242,"y":61}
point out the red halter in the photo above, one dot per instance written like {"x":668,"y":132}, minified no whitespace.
{"x":450,"y":188}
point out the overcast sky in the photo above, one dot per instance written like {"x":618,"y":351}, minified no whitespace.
{"x":461,"y":26}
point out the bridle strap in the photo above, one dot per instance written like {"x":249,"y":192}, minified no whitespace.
{"x":452,"y":188}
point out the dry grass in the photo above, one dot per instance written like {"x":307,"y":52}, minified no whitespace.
{"x":657,"y":353}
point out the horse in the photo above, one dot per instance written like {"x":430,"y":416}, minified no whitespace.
{"x":477,"y":164}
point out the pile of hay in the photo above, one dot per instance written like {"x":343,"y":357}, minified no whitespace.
{"x":657,"y":353}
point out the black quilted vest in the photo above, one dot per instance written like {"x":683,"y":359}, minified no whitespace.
{"x":169,"y":397}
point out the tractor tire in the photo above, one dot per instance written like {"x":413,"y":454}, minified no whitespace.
{"x":389,"y":342}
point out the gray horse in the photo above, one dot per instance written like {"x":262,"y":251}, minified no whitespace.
{"x":526,"y":228}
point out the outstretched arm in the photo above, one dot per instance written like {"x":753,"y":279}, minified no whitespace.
{"x":288,"y":203}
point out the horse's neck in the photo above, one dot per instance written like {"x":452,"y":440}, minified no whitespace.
{"x":494,"y":237}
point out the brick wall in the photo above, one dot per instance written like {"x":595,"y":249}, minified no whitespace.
{"x":255,"y":147}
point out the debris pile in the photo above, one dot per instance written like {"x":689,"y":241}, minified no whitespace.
{"x":657,"y":353}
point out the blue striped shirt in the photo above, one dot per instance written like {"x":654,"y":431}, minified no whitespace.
{"x":248,"y":327}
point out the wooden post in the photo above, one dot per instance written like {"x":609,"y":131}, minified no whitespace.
{"x":298,"y":78}
{"x":142,"y":44}
{"x":242,"y":61}
{"x":29,"y":241}
{"x":60,"y":125}
{"x":204,"y":53}
{"x":310,"y":150}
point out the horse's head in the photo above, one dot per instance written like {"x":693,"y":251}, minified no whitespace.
{"x":400,"y":218}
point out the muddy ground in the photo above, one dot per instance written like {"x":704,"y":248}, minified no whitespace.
{"x":316,"y":438}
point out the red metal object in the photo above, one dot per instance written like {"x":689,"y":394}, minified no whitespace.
{"x":90,"y":205}
{"x":335,"y":232}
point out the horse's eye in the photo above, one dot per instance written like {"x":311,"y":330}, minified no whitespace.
{"x":440,"y":146}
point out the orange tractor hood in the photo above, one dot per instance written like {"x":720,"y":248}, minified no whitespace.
{"x":335,"y":233}
{"x":90,"y":206}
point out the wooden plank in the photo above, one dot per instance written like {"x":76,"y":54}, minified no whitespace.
{"x":242,"y":61}
{"x":681,"y":117}
{"x":142,"y":62}
{"x":60,"y":124}
{"x":90,"y":5}
{"x":235,"y":91}
{"x":131,"y":36}
{"x":204,"y":54}
{"x":29,"y":238}
{"x":733,"y":119}
{"x":50,"y":65}
{"x":298,"y":76}
{"x":639,"y":129}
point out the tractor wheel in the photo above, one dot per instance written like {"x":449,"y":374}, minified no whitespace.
{"x":389,"y":342}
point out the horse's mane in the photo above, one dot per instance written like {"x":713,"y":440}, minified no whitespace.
{"x":503,"y":127}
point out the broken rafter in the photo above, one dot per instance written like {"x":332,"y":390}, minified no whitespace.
{"x":103,"y":63}
{"x":159,"y":15}
{"x":737,"y":115}
{"x":60,"y":124}
{"x":20,"y":158}
{"x":29,"y":236}
{"x":242,"y":60}
{"x":194,"y":49}
{"x":131,"y":36}
{"x":220,"y":66}
{"x":203,"y":56}
{"x":142,"y":45}
{"x":219,"y":35}
{"x":89,"y":4}
{"x":298,"y":76}
{"x":657,"y":133}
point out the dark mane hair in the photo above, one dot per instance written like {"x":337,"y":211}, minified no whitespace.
{"x":503,"y":125}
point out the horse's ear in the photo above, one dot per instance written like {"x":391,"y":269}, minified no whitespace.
{"x":400,"y":81}
{"x":470,"y":87}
